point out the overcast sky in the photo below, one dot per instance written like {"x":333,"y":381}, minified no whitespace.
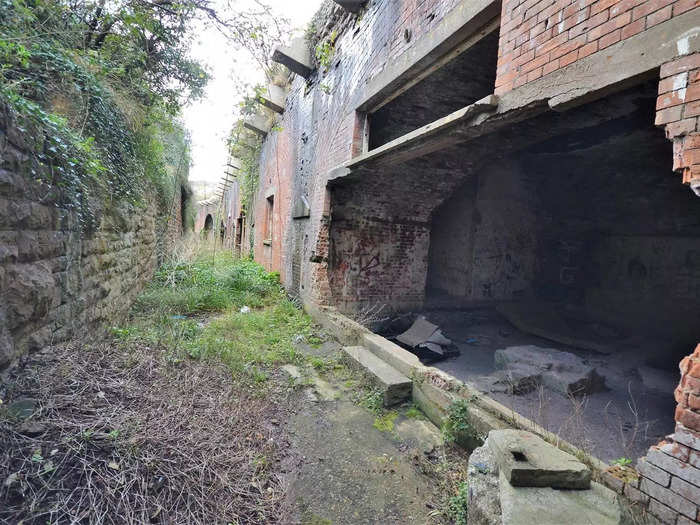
{"x":210,"y":119}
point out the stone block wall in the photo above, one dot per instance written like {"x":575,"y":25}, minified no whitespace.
{"x":542,"y":36}
{"x":56,"y":281}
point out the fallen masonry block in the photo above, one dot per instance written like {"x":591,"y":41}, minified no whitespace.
{"x":257,"y":124}
{"x":395,"y":386}
{"x":527,"y":460}
{"x":494,"y":500}
{"x":295,"y":56}
{"x":562,"y":372}
{"x":274,"y":98}
{"x":353,"y":6}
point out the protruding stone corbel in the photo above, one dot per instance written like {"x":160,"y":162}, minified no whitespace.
{"x":257,"y":123}
{"x":353,"y":6}
{"x":274,"y":98}
{"x":295,"y":56}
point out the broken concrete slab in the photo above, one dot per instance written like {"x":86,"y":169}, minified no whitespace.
{"x":484,"y":498}
{"x":274,"y":98}
{"x":526,"y":460}
{"x":563,"y":372}
{"x":493,"y":500}
{"x":296,"y":57}
{"x":547,"y":506}
{"x":420,"y":434}
{"x":352,"y":6}
{"x":395,"y":386}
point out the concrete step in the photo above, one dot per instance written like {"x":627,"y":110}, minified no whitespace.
{"x":395,"y":386}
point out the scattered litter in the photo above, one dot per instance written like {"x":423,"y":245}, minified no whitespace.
{"x":424,"y":335}
{"x":245,"y":310}
{"x":113,"y":465}
{"x":178,"y":317}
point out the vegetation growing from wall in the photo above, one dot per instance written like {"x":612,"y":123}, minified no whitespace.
{"x":246,"y":148}
{"x":98,"y":86}
{"x":99,"y":89}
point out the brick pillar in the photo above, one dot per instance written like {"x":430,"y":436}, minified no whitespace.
{"x":670,"y":472}
{"x":678,"y":111}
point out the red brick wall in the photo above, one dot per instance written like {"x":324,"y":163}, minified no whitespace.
{"x":669,"y":484}
{"x":315,"y":133}
{"x":541,"y":36}
{"x":678,"y":110}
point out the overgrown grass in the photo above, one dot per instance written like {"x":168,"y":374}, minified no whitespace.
{"x":196,"y":310}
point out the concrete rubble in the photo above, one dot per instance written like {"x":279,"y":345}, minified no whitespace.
{"x":526,"y":367}
{"x":534,"y":499}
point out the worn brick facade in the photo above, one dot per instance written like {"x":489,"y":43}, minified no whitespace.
{"x":470,"y":203}
{"x":57,"y":282}
{"x":541,"y":36}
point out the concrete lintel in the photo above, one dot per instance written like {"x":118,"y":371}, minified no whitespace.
{"x":296,"y":56}
{"x":613,"y":69}
{"x":420,"y":59}
{"x":257,"y":124}
{"x":431,"y":137}
{"x":353,"y":6}
{"x":274,"y":98}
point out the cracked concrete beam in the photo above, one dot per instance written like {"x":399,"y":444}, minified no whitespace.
{"x":257,"y":124}
{"x":436,"y":135}
{"x":353,"y":6}
{"x":296,"y":57}
{"x":274,"y":98}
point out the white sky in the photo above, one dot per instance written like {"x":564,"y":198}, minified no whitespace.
{"x":210,"y":119}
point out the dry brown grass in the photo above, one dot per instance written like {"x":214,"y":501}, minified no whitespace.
{"x":129,"y":437}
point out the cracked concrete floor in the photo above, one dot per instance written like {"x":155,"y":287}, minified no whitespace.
{"x":349,"y":472}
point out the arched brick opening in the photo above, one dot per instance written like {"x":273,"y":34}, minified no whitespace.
{"x":208,"y":223}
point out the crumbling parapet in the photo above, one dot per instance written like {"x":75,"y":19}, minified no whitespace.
{"x":296,"y":57}
{"x":678,"y":111}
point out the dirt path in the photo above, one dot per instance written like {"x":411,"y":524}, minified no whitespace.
{"x":359,"y":465}
{"x":129,"y":433}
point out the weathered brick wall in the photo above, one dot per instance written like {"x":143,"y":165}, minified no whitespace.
{"x":668,"y":487}
{"x":541,"y":36}
{"x":678,"y":111}
{"x":57,"y":282}
{"x":316,"y":134}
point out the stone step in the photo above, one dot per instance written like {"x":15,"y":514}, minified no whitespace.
{"x":395,"y":386}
